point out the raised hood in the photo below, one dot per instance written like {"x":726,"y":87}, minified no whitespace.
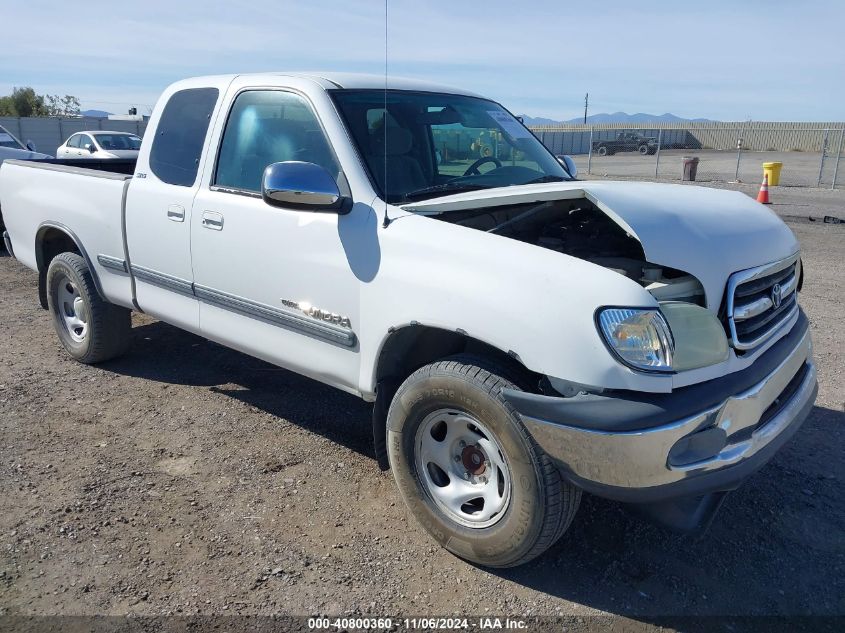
{"x":709,"y":233}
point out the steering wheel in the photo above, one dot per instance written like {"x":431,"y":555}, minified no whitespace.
{"x":472,"y":170}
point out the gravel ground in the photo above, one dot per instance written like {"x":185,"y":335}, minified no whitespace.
{"x":187,"y":478}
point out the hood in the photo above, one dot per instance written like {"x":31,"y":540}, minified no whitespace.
{"x":709,"y":233}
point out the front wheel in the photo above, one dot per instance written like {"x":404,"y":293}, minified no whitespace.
{"x":469,"y":471}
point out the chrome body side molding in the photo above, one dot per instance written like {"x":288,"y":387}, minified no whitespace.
{"x":112,"y":263}
{"x":176,"y":284}
{"x":336,"y":333}
{"x":287,"y":318}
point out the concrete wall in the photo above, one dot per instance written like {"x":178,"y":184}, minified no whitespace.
{"x":47,"y":133}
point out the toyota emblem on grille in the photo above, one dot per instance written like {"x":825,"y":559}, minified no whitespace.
{"x":776,"y":298}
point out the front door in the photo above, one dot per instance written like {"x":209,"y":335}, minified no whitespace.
{"x":272,"y":282}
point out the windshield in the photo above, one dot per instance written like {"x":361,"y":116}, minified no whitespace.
{"x":426,"y":144}
{"x":7,"y":140}
{"x":118,"y":141}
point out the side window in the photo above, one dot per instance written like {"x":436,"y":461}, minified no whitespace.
{"x":84,"y":141}
{"x":73,"y":141}
{"x":269,"y":126}
{"x":180,"y":135}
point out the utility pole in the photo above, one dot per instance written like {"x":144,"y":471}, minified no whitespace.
{"x":586,"y":103}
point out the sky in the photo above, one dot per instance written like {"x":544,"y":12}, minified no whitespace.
{"x":731,"y":60}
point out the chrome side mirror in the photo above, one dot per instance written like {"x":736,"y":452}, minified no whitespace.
{"x":568,"y":165}
{"x":305,"y":186}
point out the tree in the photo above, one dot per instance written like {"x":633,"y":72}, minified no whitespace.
{"x":62,"y":106}
{"x":24,"y":102}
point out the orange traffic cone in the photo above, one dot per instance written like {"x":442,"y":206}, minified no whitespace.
{"x":763,"y":196}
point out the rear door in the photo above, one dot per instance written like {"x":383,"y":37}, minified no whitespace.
{"x":159,"y":201}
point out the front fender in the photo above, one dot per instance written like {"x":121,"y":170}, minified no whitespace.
{"x":534,"y":304}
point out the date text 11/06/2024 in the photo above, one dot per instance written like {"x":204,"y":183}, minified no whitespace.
{"x":375,"y":624}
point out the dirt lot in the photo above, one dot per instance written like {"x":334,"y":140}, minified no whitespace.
{"x":799,"y":168}
{"x":186,"y":478}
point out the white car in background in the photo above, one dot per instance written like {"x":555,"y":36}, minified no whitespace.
{"x":100,"y":144}
{"x":10,"y":147}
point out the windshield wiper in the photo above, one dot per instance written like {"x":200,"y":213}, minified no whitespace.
{"x":546,"y":178}
{"x":445,"y":188}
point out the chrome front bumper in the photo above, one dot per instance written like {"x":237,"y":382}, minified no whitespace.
{"x":736,"y":436}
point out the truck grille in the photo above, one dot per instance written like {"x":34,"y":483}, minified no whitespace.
{"x":760,"y":300}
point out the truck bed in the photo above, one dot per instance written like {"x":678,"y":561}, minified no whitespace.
{"x":81,"y":197}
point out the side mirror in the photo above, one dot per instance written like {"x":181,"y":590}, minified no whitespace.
{"x":91,"y":148}
{"x":30,"y":146}
{"x":568,"y":165}
{"x":305,"y":186}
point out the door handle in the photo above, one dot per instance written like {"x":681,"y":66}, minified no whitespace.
{"x":212,"y":220}
{"x":176,"y":213}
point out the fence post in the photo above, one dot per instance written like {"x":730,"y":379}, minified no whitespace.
{"x":821,"y":162}
{"x":838,"y":156}
{"x":590,"y":155}
{"x":20,"y":132}
{"x":657,"y":153}
{"x":61,"y":135}
{"x":738,"y":154}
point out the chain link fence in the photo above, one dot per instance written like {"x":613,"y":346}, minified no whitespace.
{"x":811,"y":155}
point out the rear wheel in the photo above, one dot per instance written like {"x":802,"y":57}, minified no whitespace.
{"x":602,"y":150}
{"x":644,"y":150}
{"x":469,"y":471}
{"x":90,"y":329}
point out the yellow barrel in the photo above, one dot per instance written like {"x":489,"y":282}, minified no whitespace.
{"x":773,"y":171}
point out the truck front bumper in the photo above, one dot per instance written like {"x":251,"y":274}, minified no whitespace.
{"x":650,"y":448}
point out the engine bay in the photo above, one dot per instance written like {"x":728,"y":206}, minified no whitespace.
{"x":578,"y":228}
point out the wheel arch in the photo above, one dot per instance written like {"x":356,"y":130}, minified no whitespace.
{"x":407,"y":348}
{"x":53,"y":238}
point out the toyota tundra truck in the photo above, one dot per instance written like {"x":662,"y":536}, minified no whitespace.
{"x":524,"y":337}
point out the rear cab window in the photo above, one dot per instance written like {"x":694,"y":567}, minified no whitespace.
{"x":180,"y":135}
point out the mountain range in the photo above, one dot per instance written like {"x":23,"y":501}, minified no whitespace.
{"x":95,"y":114}
{"x":615,"y":117}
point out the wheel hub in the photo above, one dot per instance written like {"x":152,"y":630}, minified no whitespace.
{"x":463,"y":468}
{"x":473,"y":460}
{"x":71,"y":309}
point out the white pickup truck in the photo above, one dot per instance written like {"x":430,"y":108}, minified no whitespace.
{"x":524,"y":336}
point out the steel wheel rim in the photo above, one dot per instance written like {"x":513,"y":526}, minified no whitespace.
{"x":463,"y":468}
{"x":71,"y":309}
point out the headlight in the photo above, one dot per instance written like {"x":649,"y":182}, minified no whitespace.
{"x":640,"y":337}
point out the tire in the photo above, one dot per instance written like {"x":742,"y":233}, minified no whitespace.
{"x":90,"y":329}
{"x":602,"y":150}
{"x":644,"y":150}
{"x":530,"y":506}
